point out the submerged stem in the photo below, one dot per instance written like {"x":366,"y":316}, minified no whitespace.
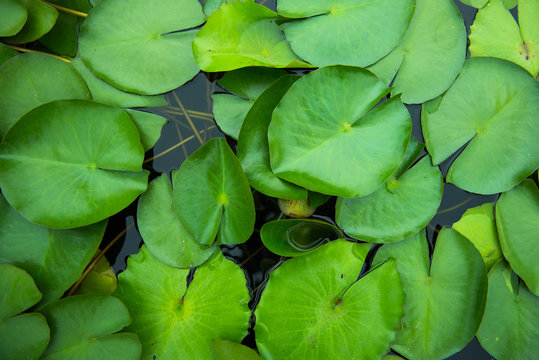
{"x":21,"y":49}
{"x":66,"y":10}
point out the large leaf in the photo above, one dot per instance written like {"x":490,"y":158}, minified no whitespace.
{"x":212,"y":196}
{"x":70,"y":163}
{"x":178,"y":321}
{"x":253,"y":148}
{"x":401,"y":207}
{"x":86,"y":326}
{"x":29,"y":80}
{"x":509,"y":328}
{"x":430,"y":56}
{"x":351,"y":32}
{"x":151,"y":57}
{"x":445,"y":299}
{"x":241,"y":34}
{"x":41,"y":18}
{"x":162,"y":231}
{"x":492,"y":107}
{"x":517,"y":219}
{"x":55,"y":258}
{"x":13,"y":15}
{"x":495,"y":33}
{"x":313,"y":306}
{"x":325,"y":137}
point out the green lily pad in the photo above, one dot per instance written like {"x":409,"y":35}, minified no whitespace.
{"x":401,"y":207}
{"x":445,"y":299}
{"x":324,"y":119}
{"x":509,"y":4}
{"x":178,"y":321}
{"x":55,"y":258}
{"x":492,"y":107}
{"x":212,"y":196}
{"x":495,"y":33}
{"x":162,"y":231}
{"x":150,"y":58}
{"x":517,"y":218}
{"x":241,"y":34}
{"x":6,"y":53}
{"x":13,"y":15}
{"x":70,"y":163}
{"x":253,"y":148}
{"x":29,"y":80}
{"x":41,"y":18}
{"x":226,"y":350}
{"x":509,"y":328}
{"x":148,"y":125}
{"x":345,"y":32}
{"x":18,"y":291}
{"x":77,"y":333}
{"x":212,"y":5}
{"x":294,"y":237}
{"x":313,"y":306}
{"x":248,"y":83}
{"x":477,"y":225}
{"x":101,"y":280}
{"x":430,"y":56}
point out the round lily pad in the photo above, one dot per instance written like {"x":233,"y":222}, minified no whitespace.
{"x":326,"y":136}
{"x":517,"y":219}
{"x":492,"y":109}
{"x":445,"y":299}
{"x":152,"y":57}
{"x":162,"y":231}
{"x":509,"y":328}
{"x":176,"y":320}
{"x":41,"y":18}
{"x":313,"y":306}
{"x":29,"y":80}
{"x":70,"y":163}
{"x":212,"y":196}
{"x":13,"y":15}
{"x":86,"y":327}
{"x":352,"y":32}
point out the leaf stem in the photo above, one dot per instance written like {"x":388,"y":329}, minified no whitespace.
{"x":467,"y":200}
{"x":21,"y":49}
{"x":188,"y":118}
{"x":66,"y":10}
{"x":174,"y":147}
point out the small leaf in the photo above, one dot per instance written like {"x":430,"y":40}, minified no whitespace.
{"x":41,"y":19}
{"x":18,"y":291}
{"x":148,"y":125}
{"x":101,"y":280}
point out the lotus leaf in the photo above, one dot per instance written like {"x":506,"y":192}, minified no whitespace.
{"x":150,"y":58}
{"x":55,"y":258}
{"x":313,"y":306}
{"x":351,"y":32}
{"x":509,"y":328}
{"x":29,"y":80}
{"x":517,"y":219}
{"x":325,"y":136}
{"x":253,"y":148}
{"x":492,"y":107}
{"x":70,"y":163}
{"x":77,"y":333}
{"x":397,"y":210}
{"x":178,"y":321}
{"x":41,"y":18}
{"x":241,"y":34}
{"x":13,"y":15}
{"x":226,"y":350}
{"x":445,"y":299}
{"x":148,"y":125}
{"x":212,"y":196}
{"x":495,"y":33}
{"x":293,"y":237}
{"x":162,"y":231}
{"x":430,"y":56}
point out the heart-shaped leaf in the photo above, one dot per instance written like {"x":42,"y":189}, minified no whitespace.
{"x":13,"y":15}
{"x":41,"y":18}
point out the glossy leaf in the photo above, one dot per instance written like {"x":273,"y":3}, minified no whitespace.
{"x":430,"y":56}
{"x":492,"y":109}
{"x":41,"y":18}
{"x":226,"y":350}
{"x":148,"y":125}
{"x":152,"y":57}
{"x":76,"y":331}
{"x":294,"y":237}
{"x":212,"y":196}
{"x":13,"y":15}
{"x":67,"y":142}
{"x":18,"y":291}
{"x":445,"y":299}
{"x":477,"y":225}
{"x":253,"y":147}
{"x":42,"y":76}
{"x":162,"y":231}
{"x":55,"y":258}
{"x":509,"y":328}
{"x":241,"y":34}
{"x":326,"y":117}
{"x":176,"y":321}
{"x":313,"y":306}
{"x":351,"y":32}
{"x":101,"y":280}
{"x":517,"y":219}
